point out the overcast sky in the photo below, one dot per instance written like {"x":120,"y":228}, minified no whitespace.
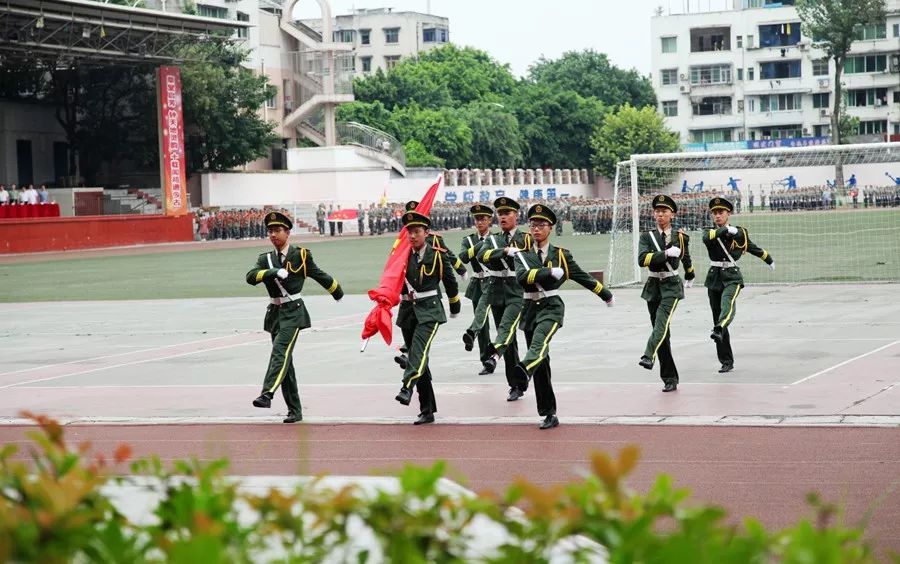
{"x":517,"y":32}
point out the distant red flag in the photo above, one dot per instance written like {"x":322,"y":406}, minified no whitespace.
{"x":387,"y":294}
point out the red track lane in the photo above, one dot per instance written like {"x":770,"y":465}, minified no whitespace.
{"x":752,"y":471}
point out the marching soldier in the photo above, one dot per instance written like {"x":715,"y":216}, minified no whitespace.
{"x":726,"y":244}
{"x":660,"y":251}
{"x":455,"y":263}
{"x":428,"y":267}
{"x":480,"y":288}
{"x":540,"y":271}
{"x":506,"y":296}
{"x":284,"y":271}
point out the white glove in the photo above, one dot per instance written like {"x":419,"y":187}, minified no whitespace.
{"x":282,"y":273}
{"x":673,"y":251}
{"x":454,"y":315}
{"x":510,"y":251}
{"x":689,"y":283}
{"x":772,"y":265}
{"x":557,"y":272}
{"x":611,"y":302}
{"x":732,"y":230}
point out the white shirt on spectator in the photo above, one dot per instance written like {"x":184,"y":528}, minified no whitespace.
{"x":23,"y":196}
{"x":4,"y":196}
{"x":32,"y":196}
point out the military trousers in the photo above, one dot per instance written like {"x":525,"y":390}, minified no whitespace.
{"x":480,"y":327}
{"x":723,"y":304}
{"x":659,"y":343}
{"x":543,"y":386}
{"x":419,"y":338}
{"x":280,"y":372}
{"x":507,"y":318}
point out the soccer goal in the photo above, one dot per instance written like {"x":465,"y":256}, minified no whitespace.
{"x":787,"y":198}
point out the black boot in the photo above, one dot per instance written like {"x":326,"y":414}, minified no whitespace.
{"x":293,"y":418}
{"x":716,"y":334}
{"x":264,"y":400}
{"x":424,"y":418}
{"x":489,"y":366}
{"x":549,"y":422}
{"x":468,"y":340}
{"x":401,"y":360}
{"x":646,"y":362}
{"x":405,"y":396}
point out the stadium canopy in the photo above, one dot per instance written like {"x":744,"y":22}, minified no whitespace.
{"x":85,"y":30}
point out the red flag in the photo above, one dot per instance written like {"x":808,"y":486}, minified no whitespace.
{"x":387,"y":294}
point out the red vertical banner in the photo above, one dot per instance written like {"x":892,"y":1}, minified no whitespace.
{"x":171,"y":141}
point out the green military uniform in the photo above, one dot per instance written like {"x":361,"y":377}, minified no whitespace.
{"x":541,"y":272}
{"x":663,"y":290}
{"x":419,"y":321}
{"x":478,"y":288}
{"x":455,"y":262}
{"x":505,"y":295}
{"x":724,"y":281}
{"x":286,"y":315}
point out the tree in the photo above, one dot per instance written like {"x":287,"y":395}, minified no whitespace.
{"x":833,"y":25}
{"x":443,"y":132}
{"x":373,"y":114}
{"x":418,"y":155}
{"x":496,"y":139}
{"x":591,"y":74}
{"x":627,"y":132}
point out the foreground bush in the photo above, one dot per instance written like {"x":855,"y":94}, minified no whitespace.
{"x":53,"y":509}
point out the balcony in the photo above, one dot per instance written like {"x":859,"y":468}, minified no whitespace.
{"x":710,"y":39}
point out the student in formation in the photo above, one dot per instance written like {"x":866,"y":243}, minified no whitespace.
{"x":726,"y":244}
{"x":284,"y":271}
{"x":540,"y":271}
{"x":659,"y":251}
{"x":429,"y":266}
{"x":480,"y":287}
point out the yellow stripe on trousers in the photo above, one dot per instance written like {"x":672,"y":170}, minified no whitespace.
{"x":512,"y":332}
{"x":424,"y":357}
{"x":287,"y":359}
{"x":730,"y":308}
{"x":666,"y":329}
{"x":543,"y":348}
{"x":487,"y":312}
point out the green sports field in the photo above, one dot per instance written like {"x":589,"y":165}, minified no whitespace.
{"x":858,"y":245}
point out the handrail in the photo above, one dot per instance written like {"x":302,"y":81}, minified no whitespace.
{"x":353,"y":133}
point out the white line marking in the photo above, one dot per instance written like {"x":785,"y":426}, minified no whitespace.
{"x":448,"y":386}
{"x":855,"y":358}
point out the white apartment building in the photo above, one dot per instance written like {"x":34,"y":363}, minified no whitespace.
{"x":381,"y":37}
{"x":749,"y":74}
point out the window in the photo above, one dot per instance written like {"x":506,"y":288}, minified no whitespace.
{"x":434,"y":35}
{"x":212,"y":11}
{"x":751,"y":105}
{"x":366,"y":64}
{"x":820,"y":67}
{"x":897,"y":97}
{"x":710,"y":39}
{"x":750,"y":73}
{"x":779,"y":69}
{"x":270,"y":103}
{"x":670,"y":108}
{"x":779,"y":35}
{"x":711,"y":136}
{"x":365,"y":36}
{"x":391,"y":61}
{"x":896,"y":28}
{"x":822,"y":100}
{"x":343,"y":36}
{"x":712,"y":106}
{"x":750,"y":42}
{"x":669,"y":44}
{"x":740,"y":106}
{"x":865,"y":63}
{"x":868,"y":32}
{"x":711,"y":74}
{"x":668,"y":77}
{"x":821,"y":130}
{"x":740,"y":74}
{"x":872,"y":127}
{"x":391,"y":35}
{"x":740,"y":41}
{"x":866,"y":97}
{"x":781,"y":132}
{"x":779,"y":102}
{"x":244,"y":32}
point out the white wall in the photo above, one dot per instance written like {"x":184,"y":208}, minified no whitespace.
{"x":37,"y":124}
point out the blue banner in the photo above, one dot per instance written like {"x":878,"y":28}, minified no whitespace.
{"x":450,"y":197}
{"x":794,"y":142}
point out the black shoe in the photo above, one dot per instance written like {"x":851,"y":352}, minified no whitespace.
{"x":514,"y":394}
{"x":264,"y":400}
{"x":646,"y":362}
{"x":489,"y":366}
{"x":670,"y":387}
{"x":549,"y":422}
{"x":469,"y":340}
{"x":405,"y":396}
{"x":404,"y":349}
{"x":402,"y":361}
{"x":424,"y":418}
{"x":293,"y":418}
{"x":726,"y":367}
{"x":716,"y":334}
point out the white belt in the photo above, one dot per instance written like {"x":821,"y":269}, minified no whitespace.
{"x":284,"y":300}
{"x":505,"y":273}
{"x":721,"y":264}
{"x":540,"y":295}
{"x":480,"y":274}
{"x":662,"y":274}
{"x":420,"y":295}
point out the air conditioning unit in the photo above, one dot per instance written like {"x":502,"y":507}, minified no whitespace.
{"x":685,"y":89}
{"x":805,"y":131}
{"x":824,"y":83}
{"x":824,"y":112}
{"x":682,"y":76}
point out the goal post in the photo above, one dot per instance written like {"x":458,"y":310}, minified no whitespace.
{"x":786,"y":198}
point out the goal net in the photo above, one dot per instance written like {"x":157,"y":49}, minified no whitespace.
{"x":816,"y":228}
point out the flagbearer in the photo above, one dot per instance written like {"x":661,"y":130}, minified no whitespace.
{"x":284,"y":271}
{"x":480,"y":287}
{"x":660,"y":250}
{"x":540,"y":271}
{"x":726,"y":244}
{"x":428,"y":267}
